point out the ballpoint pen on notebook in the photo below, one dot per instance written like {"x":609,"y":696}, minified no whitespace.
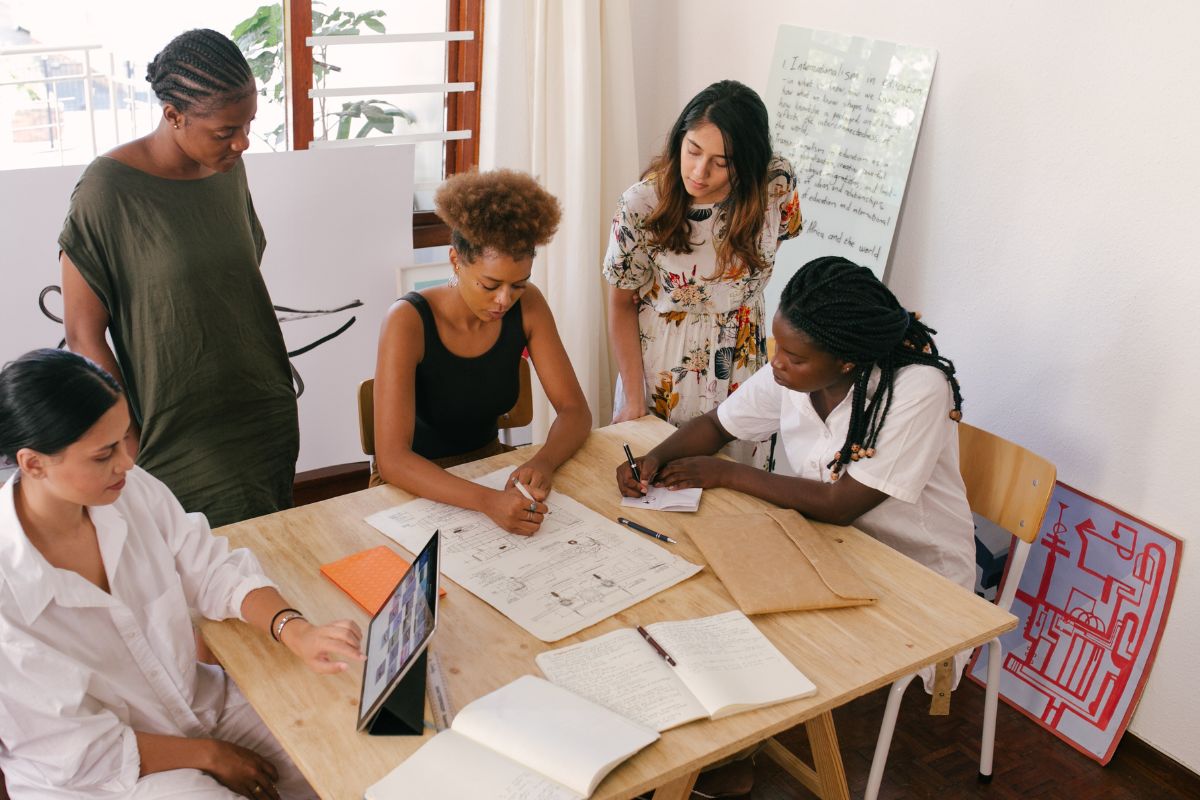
{"x":643,"y":529}
{"x":658,"y":648}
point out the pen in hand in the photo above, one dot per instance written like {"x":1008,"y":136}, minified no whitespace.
{"x":637,"y":476}
{"x":521,"y":488}
{"x":658,"y":648}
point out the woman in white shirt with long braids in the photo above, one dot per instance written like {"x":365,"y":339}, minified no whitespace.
{"x":101,"y":694}
{"x":865,"y":407}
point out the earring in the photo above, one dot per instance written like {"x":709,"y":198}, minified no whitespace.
{"x":453,"y":280}
{"x":176,"y":126}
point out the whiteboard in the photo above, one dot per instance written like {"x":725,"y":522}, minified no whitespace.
{"x":846,"y":111}
{"x":339,"y":228}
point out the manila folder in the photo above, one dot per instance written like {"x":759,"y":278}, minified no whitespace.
{"x":777,"y":561}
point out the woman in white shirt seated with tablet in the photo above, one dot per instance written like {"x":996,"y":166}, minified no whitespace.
{"x":100,"y":566}
{"x":865,"y":408}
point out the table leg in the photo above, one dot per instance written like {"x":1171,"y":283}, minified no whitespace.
{"x":826,"y":778}
{"x":827,"y":759}
{"x":678,"y":789}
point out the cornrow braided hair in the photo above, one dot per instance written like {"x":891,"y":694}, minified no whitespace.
{"x":197,"y":68}
{"x":851,"y":315}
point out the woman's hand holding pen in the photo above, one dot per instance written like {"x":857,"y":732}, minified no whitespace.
{"x":534,"y":477}
{"x":325,"y":649}
{"x":647,"y":467}
{"x":516,"y":513}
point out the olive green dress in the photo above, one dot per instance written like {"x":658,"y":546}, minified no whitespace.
{"x":176,"y":265}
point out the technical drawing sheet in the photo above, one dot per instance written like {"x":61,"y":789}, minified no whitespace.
{"x":577,"y":570}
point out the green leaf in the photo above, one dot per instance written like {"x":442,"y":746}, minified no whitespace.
{"x":374,"y":25}
{"x":343,"y":130}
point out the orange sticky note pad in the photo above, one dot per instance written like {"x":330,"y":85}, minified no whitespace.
{"x":369,"y":576}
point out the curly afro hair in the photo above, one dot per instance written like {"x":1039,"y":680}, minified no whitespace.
{"x":502,"y":210}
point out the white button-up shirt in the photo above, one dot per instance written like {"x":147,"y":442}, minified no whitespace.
{"x":925,"y":515}
{"x":81,"y":670}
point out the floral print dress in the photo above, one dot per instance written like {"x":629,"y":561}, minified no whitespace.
{"x":701,"y":337}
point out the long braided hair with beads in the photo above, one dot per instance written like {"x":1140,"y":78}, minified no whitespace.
{"x":851,"y":315}
{"x":200,"y":68}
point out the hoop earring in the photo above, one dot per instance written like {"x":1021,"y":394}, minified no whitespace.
{"x":452,"y":281}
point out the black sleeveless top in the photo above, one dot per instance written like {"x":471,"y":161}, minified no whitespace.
{"x":459,"y":399}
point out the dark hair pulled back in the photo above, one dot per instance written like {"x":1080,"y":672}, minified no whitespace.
{"x":200,"y":67}
{"x":50,"y":398}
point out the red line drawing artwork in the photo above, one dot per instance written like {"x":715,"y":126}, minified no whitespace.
{"x":1092,"y":602}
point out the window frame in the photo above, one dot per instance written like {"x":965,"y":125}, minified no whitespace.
{"x":464,"y":63}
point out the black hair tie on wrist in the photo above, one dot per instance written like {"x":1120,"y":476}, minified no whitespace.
{"x":271,"y":627}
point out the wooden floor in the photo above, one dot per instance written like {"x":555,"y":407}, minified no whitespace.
{"x":938,"y":757}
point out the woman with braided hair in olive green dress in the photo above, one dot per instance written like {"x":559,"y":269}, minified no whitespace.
{"x":161,"y":250}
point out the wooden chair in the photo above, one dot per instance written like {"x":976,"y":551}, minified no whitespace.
{"x":518,"y":416}
{"x":1010,"y":486}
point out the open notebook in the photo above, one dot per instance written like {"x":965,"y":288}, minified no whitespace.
{"x":660,"y":498}
{"x":724,"y":665}
{"x":529,"y":739}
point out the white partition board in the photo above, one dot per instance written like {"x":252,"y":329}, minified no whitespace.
{"x":339,"y":227}
{"x":846,"y":110}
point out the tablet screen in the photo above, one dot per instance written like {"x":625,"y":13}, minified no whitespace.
{"x":400,"y":631}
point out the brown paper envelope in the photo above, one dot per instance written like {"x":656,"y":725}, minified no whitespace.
{"x":777,"y":561}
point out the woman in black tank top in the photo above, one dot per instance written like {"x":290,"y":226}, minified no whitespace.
{"x":449,"y":356}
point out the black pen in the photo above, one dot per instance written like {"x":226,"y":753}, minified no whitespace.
{"x":643,"y":529}
{"x":637,"y":476}
{"x":658,"y":648}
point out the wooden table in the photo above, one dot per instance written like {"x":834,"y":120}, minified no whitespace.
{"x":920,"y":618}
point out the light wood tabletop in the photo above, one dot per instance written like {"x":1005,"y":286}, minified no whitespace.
{"x":920,"y":618}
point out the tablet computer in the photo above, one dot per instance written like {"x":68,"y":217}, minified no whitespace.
{"x":399,"y":632}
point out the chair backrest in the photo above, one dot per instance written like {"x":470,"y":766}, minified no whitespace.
{"x":518,"y":416}
{"x":1006,"y":483}
{"x":366,"y":416}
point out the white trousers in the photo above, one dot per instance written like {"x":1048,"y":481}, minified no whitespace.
{"x":240,"y":724}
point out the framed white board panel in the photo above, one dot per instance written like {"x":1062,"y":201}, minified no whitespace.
{"x":846,"y":110}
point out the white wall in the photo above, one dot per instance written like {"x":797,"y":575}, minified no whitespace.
{"x":1050,"y":234}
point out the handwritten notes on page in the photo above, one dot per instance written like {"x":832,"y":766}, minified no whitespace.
{"x":725,"y":665}
{"x":846,"y":110}
{"x":660,"y":498}
{"x":577,"y":570}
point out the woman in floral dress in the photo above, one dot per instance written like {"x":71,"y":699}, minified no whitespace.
{"x":693,"y":245}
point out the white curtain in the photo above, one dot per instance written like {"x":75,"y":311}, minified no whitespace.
{"x":558,"y":102}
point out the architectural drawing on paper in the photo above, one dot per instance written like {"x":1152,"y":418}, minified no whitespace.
{"x":577,"y":570}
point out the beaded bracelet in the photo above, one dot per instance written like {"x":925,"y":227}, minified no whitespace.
{"x":285,"y":621}
{"x":271,"y":627}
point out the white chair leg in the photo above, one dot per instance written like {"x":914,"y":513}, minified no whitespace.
{"x":991,"y":695}
{"x":884,"y":743}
